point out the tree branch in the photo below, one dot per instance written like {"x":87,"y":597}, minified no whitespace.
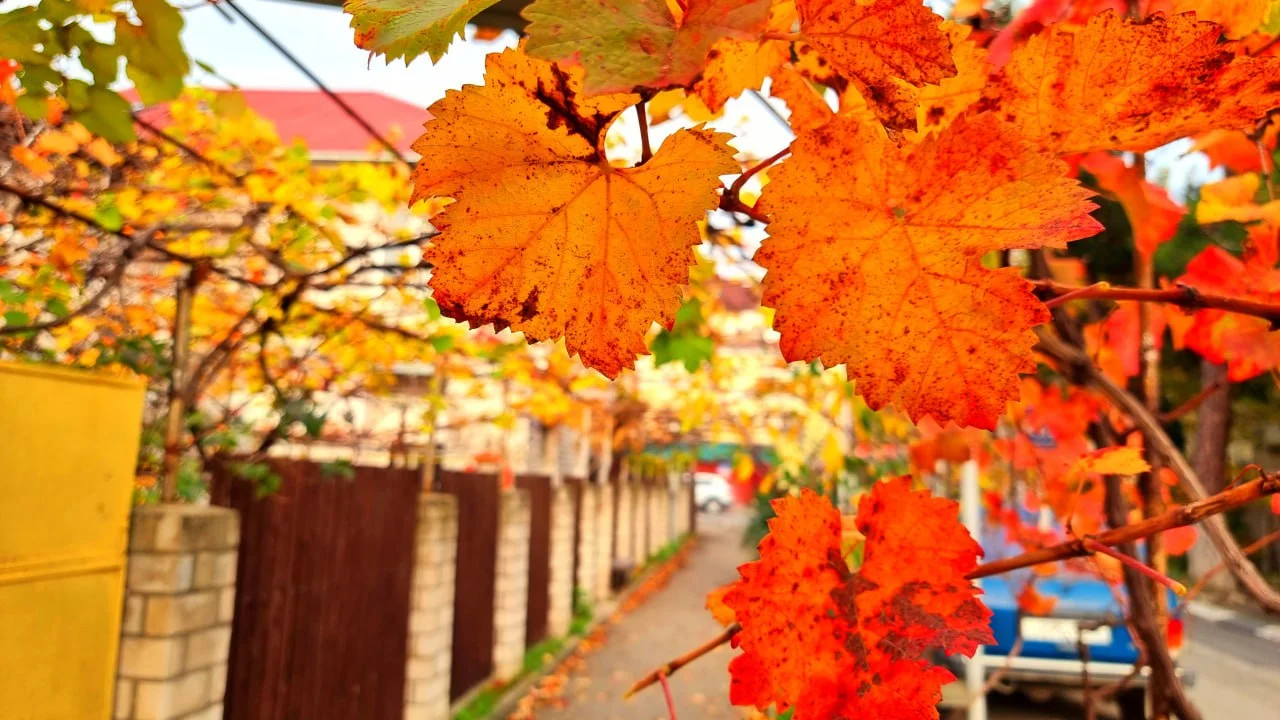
{"x":1077,"y":365}
{"x":1183,"y":296}
{"x":1198,"y":511}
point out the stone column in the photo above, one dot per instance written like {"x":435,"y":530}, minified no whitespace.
{"x":511,"y":587}
{"x":179,"y":600}
{"x":640,"y":525}
{"x":560,"y":609}
{"x":431,"y":611}
{"x":657,"y":521}
{"x":604,"y":541}
{"x":586,"y":579}
{"x":623,"y":531}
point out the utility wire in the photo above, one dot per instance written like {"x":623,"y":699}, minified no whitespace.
{"x":350,"y":111}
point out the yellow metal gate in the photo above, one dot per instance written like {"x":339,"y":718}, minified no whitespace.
{"x":68,"y":445}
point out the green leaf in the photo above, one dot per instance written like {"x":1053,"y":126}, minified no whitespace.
{"x":57,"y":307}
{"x":14,"y":318}
{"x":442,"y":342}
{"x":20,"y":33}
{"x":101,"y":60}
{"x":433,"y":310}
{"x":11,"y":294}
{"x":625,"y":44}
{"x":687,"y":348}
{"x":157,"y":62}
{"x":105,"y":113}
{"x":109,"y":217}
{"x":342,"y":469}
{"x":410,"y":28}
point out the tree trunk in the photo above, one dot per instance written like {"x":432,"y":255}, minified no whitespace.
{"x":1213,"y":429}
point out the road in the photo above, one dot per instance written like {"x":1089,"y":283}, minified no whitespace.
{"x":1235,"y":657}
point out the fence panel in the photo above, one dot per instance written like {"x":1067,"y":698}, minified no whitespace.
{"x":473,"y":602}
{"x":539,"y":594}
{"x":322,"y":593}
{"x":575,"y":492}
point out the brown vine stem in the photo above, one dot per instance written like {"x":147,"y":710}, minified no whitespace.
{"x":646,"y":150}
{"x":751,"y":172}
{"x":1183,"y":296}
{"x":1078,"y":366}
{"x":1191,"y":404}
{"x":673,"y":665}
{"x":1177,"y":517}
{"x":1076,"y":294}
{"x":1250,"y":549}
{"x":1094,"y":546}
{"x":666,"y":691}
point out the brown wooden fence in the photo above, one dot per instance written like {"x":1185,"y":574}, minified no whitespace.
{"x":322,"y":594}
{"x":539,"y":594}
{"x":575,"y":486}
{"x":473,"y":604}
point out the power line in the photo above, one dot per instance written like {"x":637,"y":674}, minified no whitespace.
{"x":350,"y":111}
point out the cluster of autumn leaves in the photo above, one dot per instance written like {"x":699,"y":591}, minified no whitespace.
{"x":880,"y":220}
{"x":924,"y":149}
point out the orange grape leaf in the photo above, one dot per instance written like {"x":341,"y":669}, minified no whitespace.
{"x":1119,"y":84}
{"x":1111,"y":461}
{"x":1246,"y":344}
{"x":834,"y":643}
{"x":410,"y":28}
{"x":715,"y":603}
{"x":545,"y":236}
{"x":1152,"y":213}
{"x":809,"y":109}
{"x":1233,"y":198}
{"x":1177,"y":541}
{"x":1237,"y":17}
{"x":938,"y":105}
{"x":874,"y":261}
{"x":734,"y":64}
{"x":1031,"y":602}
{"x":631,"y":44}
{"x":877,"y":44}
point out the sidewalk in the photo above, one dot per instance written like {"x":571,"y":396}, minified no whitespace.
{"x":669,"y":623}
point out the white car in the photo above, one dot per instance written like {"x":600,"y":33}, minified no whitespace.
{"x":711,"y":492}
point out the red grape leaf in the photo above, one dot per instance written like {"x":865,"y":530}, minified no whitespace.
{"x":874,"y":260}
{"x":884,"y":47}
{"x":1246,"y":344}
{"x":1119,"y":84}
{"x":834,"y":643}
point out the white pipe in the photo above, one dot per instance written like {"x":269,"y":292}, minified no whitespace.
{"x":970,"y":515}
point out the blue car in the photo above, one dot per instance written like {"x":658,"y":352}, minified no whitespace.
{"x":1085,"y":607}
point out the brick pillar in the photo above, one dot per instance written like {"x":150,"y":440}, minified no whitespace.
{"x":431,"y":612}
{"x":511,"y":588}
{"x":179,"y":599}
{"x":657,"y":525}
{"x":560,"y":610}
{"x":586,"y":579}
{"x":623,"y":531}
{"x":681,"y":508}
{"x":640,"y":524}
{"x":604,"y":541}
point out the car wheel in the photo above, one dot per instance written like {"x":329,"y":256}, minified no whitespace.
{"x":1133,"y":704}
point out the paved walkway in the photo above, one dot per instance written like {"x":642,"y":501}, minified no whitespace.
{"x":670,"y":622}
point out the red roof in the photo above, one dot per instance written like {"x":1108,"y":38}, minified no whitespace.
{"x":323,"y":126}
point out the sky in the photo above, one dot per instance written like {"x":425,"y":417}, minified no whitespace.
{"x":320,"y":36}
